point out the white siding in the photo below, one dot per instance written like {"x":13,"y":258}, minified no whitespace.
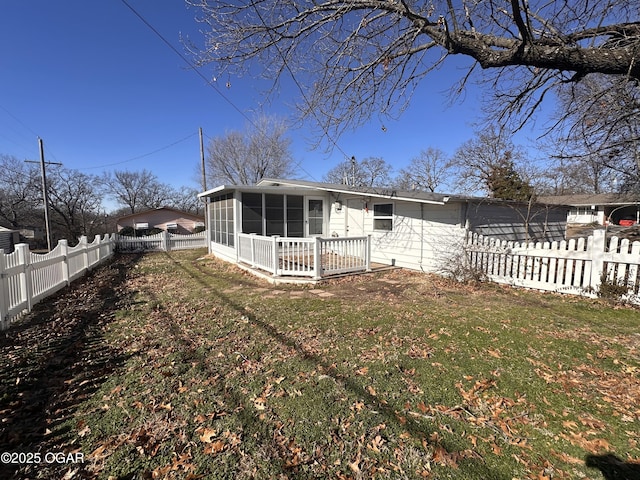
{"x":421,"y":236}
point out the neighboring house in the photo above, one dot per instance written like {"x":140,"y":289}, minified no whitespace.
{"x":8,"y":239}
{"x":598,"y":209}
{"x":164,"y":218}
{"x":415,"y":230}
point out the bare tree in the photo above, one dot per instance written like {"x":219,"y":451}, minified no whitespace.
{"x":369,"y":172}
{"x":186,"y":199}
{"x":358,"y":58}
{"x":20,"y":192}
{"x":137,"y":190}
{"x":426,"y":172}
{"x":598,"y":130}
{"x":75,"y":200}
{"x":245,"y":158}
{"x":482,"y":163}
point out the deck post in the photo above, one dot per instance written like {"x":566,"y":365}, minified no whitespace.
{"x":317,"y":258}
{"x":367,"y":250}
{"x":275,"y":240}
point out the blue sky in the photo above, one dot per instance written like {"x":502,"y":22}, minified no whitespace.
{"x":104,"y":92}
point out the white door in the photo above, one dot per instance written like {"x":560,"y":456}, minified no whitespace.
{"x":315,"y":217}
{"x":355,"y":218}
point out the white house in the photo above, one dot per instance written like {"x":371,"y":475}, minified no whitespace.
{"x":297,"y":227}
{"x":598,"y":209}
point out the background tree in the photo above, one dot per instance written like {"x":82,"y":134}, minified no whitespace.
{"x":490,"y":164}
{"x":20,"y":193}
{"x":262,"y":151}
{"x":359,"y":58}
{"x":75,"y":202}
{"x":426,"y":172}
{"x":598,"y":133}
{"x":186,"y":199}
{"x":137,"y":191}
{"x":368,"y":172}
{"x":504,"y":182}
{"x":576,"y":175}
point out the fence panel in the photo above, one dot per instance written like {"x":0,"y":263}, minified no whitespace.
{"x":160,"y":242}
{"x":183,"y":242}
{"x":576,"y":267}
{"x":26,"y":277}
{"x":47,"y":273}
{"x":148,"y":243}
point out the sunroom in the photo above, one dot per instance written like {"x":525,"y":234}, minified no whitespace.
{"x":282,"y":231}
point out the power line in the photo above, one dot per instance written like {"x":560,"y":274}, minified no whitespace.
{"x":295,"y":80}
{"x":187,"y":61}
{"x":143,"y":155}
{"x":26,"y":127}
{"x":210,"y":84}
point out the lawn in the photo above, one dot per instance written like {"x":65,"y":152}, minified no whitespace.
{"x":178,"y":366}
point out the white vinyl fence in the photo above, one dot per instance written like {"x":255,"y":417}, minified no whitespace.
{"x":305,"y":257}
{"x":26,"y":277}
{"x":160,"y":242}
{"x":576,"y":266}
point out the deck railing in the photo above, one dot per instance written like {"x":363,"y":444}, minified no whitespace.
{"x":305,"y":257}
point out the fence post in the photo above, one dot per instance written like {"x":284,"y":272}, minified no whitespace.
{"x":85,"y":253}
{"x":4,"y":293}
{"x":24,"y":259}
{"x":368,"y":252}
{"x":598,"y":246}
{"x":64,"y":250}
{"x":166,"y":244}
{"x":100,"y":246}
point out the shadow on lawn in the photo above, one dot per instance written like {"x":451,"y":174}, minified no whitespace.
{"x":414,"y":428}
{"x":614,"y":468}
{"x":54,"y":359}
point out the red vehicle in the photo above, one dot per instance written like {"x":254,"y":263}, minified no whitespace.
{"x":627,"y":221}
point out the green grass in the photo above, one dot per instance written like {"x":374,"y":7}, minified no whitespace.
{"x":229,"y":377}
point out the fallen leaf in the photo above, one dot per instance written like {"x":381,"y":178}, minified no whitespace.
{"x":207,"y":435}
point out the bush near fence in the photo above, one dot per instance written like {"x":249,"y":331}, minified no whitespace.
{"x":27,"y":277}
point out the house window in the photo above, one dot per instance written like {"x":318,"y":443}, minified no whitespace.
{"x":383,"y":216}
{"x":221,"y":220}
{"x":273,"y":214}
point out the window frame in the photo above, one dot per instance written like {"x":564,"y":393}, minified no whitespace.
{"x":384,"y":217}
{"x":221,"y":219}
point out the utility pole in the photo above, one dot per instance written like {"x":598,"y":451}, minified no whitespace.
{"x":204,"y":176}
{"x":353,"y":171}
{"x":45,"y":191}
